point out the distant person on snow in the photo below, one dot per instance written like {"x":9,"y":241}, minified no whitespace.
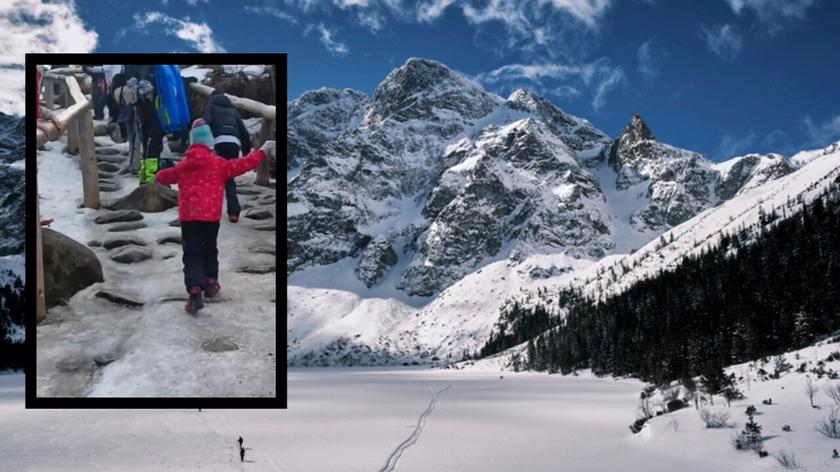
{"x":201,"y":178}
{"x":241,"y":454}
{"x":240,"y":441}
{"x":230,"y":137}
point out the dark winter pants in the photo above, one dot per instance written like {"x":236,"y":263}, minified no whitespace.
{"x":230,"y":151}
{"x":201,"y":257}
{"x":99,"y":94}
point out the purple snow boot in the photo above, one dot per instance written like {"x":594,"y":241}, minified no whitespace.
{"x":195,"y":302}
{"x":211,"y":287}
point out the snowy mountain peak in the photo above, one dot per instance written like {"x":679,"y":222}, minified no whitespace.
{"x":635,"y":131}
{"x":418,"y":87}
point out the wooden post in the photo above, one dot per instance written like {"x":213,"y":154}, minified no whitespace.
{"x":40,"y":303}
{"x":73,"y":137}
{"x":90,"y":172}
{"x":266,"y":133}
{"x":49,"y":92}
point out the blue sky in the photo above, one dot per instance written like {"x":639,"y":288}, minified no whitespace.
{"x":722,"y":77}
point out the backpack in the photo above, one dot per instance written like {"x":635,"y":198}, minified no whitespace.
{"x":171,"y":105}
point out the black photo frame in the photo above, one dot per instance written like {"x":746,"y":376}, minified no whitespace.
{"x":279,"y":60}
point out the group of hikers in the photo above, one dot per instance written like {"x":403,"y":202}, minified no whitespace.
{"x":150,"y":101}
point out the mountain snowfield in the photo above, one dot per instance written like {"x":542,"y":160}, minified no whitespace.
{"x":410,"y":227}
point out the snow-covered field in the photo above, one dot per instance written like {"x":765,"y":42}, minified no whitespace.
{"x":358,"y":419}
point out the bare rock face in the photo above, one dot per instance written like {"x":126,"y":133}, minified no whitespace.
{"x":148,"y":198}
{"x":377,"y":259}
{"x":318,"y":117}
{"x":69,"y":266}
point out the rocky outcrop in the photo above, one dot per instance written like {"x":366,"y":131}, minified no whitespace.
{"x":318,"y":117}
{"x":743,"y":173}
{"x":69,"y":266}
{"x":377,"y":259}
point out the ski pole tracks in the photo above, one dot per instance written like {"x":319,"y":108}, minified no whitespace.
{"x":391,"y":462}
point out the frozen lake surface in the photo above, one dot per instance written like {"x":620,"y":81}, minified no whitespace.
{"x":375,"y":420}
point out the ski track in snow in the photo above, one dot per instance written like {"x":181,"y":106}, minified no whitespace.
{"x":391,"y":462}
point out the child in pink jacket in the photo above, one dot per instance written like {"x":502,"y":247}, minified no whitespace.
{"x":201,"y":178}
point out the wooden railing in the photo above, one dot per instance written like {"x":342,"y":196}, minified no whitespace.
{"x":269,"y":120}
{"x":76,"y":119}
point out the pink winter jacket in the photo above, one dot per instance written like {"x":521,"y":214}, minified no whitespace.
{"x":201,"y":178}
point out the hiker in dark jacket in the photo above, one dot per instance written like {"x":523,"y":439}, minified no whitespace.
{"x":99,"y":90}
{"x":150,"y":129}
{"x":230,"y":138}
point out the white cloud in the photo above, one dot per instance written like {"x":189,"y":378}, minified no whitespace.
{"x":730,"y":146}
{"x":723,"y":40}
{"x":270,"y":10}
{"x":607,"y":83}
{"x":564,"y":80}
{"x":333,"y":46}
{"x":821,"y":134}
{"x":647,"y":67}
{"x":773,"y":9}
{"x":199,"y":35}
{"x":36,"y":26}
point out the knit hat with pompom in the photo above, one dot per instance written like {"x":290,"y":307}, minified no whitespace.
{"x":201,"y":134}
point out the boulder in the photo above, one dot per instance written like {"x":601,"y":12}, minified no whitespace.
{"x":149,"y":198}
{"x":69,"y":266}
{"x":170,"y":238}
{"x":131,"y":254}
{"x":120,"y":241}
{"x":127,"y":226}
{"x":257,"y":214}
{"x":119,"y":299}
{"x":118,"y":216}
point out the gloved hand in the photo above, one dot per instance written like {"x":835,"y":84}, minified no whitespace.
{"x":268,"y":148}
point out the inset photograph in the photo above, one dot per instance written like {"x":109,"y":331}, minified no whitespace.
{"x":155,"y":234}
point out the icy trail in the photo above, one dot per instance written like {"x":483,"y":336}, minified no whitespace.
{"x":95,"y":347}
